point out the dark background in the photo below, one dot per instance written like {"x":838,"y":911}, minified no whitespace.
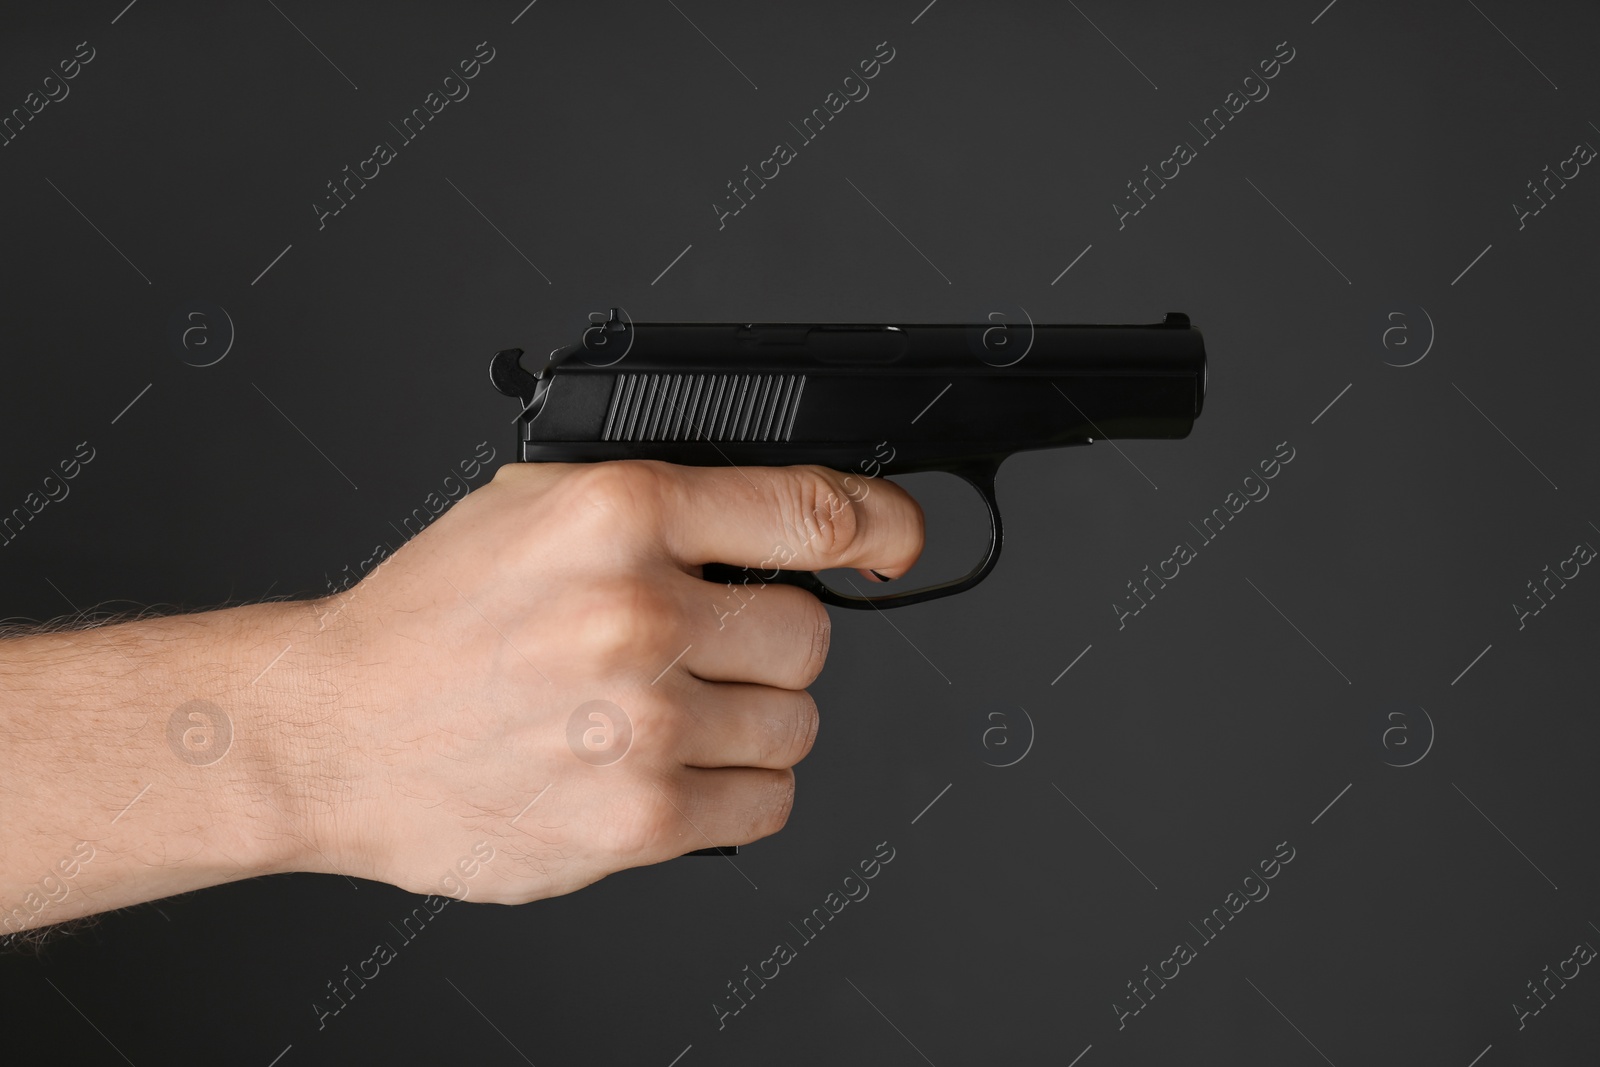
{"x":1207,"y":731}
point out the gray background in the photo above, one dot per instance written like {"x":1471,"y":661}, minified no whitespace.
{"x":1177,"y":752}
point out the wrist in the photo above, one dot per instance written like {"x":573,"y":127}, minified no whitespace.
{"x":293,"y":685}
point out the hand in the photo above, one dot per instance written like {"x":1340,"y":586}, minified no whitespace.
{"x":472,"y":655}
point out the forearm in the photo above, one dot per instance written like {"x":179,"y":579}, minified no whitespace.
{"x":154,"y":757}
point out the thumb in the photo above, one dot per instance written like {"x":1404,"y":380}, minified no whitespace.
{"x":794,"y":518}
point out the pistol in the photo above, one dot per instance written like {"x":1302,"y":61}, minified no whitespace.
{"x":954,"y":397}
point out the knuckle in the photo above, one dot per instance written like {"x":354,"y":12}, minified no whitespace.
{"x":819,"y":628}
{"x":808,"y":722}
{"x":778,"y":803}
{"x":617,"y":490}
{"x":642,"y":825}
{"x":660,"y":726}
{"x":509,"y":472}
{"x":817,"y":506}
{"x":610,"y":630}
{"x":625,"y":620}
{"x":801,"y":626}
{"x":663,"y":820}
{"x":787,"y":731}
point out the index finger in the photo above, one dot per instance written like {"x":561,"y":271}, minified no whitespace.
{"x":791,"y":518}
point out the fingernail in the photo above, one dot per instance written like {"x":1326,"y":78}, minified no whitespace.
{"x":882,"y":577}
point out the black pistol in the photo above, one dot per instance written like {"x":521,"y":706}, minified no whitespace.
{"x":781,"y":393}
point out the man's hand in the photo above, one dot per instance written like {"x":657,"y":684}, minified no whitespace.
{"x":537,"y":691}
{"x":550,"y":638}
